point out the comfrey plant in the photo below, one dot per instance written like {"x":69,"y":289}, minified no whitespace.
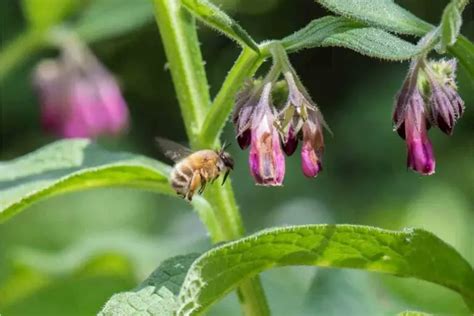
{"x":272,"y":115}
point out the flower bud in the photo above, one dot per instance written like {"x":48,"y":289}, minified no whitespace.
{"x":267,"y":162}
{"x":290,"y":142}
{"x":445,"y":103}
{"x":79,"y":97}
{"x":244,"y":139}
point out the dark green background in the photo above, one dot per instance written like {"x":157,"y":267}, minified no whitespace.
{"x":67,"y":255}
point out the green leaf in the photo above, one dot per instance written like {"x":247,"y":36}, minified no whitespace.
{"x":413,"y":313}
{"x":42,"y":14}
{"x":71,"y":165}
{"x":451,"y":22}
{"x":108,"y":18}
{"x":218,"y":19}
{"x":410,"y":253}
{"x":342,"y":32}
{"x":381,"y":13}
{"x":373,"y":42}
{"x":463,"y":50}
{"x":157,"y":294}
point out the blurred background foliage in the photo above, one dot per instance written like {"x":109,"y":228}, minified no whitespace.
{"x":67,"y":255}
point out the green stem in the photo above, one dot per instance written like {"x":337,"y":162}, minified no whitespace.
{"x":245,"y":66}
{"x":207,"y":214}
{"x":250,"y":294}
{"x":221,"y":215}
{"x":18,"y":50}
{"x":178,"y":32}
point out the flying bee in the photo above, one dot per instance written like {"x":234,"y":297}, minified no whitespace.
{"x":193,"y":170}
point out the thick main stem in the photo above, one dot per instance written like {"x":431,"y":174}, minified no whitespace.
{"x":178,"y":32}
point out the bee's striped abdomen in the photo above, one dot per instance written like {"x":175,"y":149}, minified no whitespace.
{"x":181,"y":177}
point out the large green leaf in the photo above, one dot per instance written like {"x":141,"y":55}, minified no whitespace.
{"x":72,"y":165}
{"x":157,"y":294}
{"x":451,"y":22}
{"x":410,"y":253}
{"x":342,"y":32}
{"x":108,"y":18}
{"x":390,"y":16}
{"x":382,"y":13}
{"x":218,"y":19}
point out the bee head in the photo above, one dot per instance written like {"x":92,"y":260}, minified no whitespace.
{"x":226,"y":159}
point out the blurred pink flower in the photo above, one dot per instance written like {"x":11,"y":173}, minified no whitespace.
{"x":79,"y":97}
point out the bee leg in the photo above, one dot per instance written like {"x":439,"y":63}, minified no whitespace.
{"x":225,"y":176}
{"x":203,"y":186}
{"x":204,"y":178}
{"x":193,"y":185}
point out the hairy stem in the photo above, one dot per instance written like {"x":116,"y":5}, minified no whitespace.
{"x":18,"y":50}
{"x":245,"y":66}
{"x":221,"y":215}
{"x":178,"y":32}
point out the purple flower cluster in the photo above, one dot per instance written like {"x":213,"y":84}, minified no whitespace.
{"x":78,"y":96}
{"x":271,"y":133}
{"x":428,"y":98}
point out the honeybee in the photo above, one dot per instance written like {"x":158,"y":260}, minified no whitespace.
{"x":193,"y":170}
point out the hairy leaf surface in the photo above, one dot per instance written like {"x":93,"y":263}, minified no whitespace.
{"x":411,"y":253}
{"x":218,"y":19}
{"x":342,"y":32}
{"x":382,"y":13}
{"x":72,"y":165}
{"x":450,"y":25}
{"x":157,"y":294}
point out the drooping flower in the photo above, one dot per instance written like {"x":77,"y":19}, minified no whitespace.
{"x":411,"y":122}
{"x":428,"y":97}
{"x":271,"y":133}
{"x":313,"y":145}
{"x":79,"y":97}
{"x":267,"y":161}
{"x":301,"y":118}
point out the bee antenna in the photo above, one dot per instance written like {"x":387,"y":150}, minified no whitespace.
{"x":225,"y":145}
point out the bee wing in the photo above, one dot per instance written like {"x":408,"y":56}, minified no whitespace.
{"x":172,"y":150}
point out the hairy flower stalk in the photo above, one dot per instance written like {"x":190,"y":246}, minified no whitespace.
{"x":428,"y":97}
{"x":313,"y":145}
{"x":78,"y":96}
